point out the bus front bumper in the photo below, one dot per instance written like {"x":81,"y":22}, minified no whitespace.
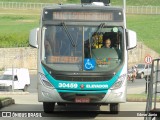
{"x":53,"y":95}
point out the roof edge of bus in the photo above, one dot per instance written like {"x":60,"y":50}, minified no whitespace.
{"x":79,"y":6}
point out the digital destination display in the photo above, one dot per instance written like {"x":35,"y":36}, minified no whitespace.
{"x":62,"y":59}
{"x":92,"y":16}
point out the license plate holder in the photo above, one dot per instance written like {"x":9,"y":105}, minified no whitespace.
{"x":82,"y":100}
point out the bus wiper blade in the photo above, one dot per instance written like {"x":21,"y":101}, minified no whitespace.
{"x":100,"y":27}
{"x":68,"y":34}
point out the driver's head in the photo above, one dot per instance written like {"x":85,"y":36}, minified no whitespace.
{"x":107,"y":43}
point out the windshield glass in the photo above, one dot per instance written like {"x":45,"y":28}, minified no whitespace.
{"x":6,"y":77}
{"x":83,"y":48}
{"x":141,"y":66}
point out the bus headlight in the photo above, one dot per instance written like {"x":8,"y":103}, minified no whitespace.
{"x":119,"y":82}
{"x":45,"y":81}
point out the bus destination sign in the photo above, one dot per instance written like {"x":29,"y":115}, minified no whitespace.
{"x":92,"y":16}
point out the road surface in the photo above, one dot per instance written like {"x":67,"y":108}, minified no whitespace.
{"x":28,"y":103}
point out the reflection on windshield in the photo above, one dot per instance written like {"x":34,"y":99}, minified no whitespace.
{"x":58,"y":43}
{"x":71,"y":48}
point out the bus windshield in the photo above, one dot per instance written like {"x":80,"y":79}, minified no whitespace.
{"x":83,"y":48}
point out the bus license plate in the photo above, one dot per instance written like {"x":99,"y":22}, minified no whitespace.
{"x":82,"y":100}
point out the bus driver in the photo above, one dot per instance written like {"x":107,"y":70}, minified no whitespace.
{"x":107,"y":43}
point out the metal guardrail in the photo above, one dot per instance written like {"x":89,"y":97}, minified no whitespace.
{"x":30,"y":5}
{"x":153,"y":92}
{"x":22,"y":5}
{"x":143,"y":9}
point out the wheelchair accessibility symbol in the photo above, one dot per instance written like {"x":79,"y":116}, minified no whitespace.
{"x":89,"y":64}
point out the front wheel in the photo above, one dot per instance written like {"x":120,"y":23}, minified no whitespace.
{"x":114,"y":108}
{"x":25,"y":88}
{"x":48,"y":107}
{"x":9,"y":89}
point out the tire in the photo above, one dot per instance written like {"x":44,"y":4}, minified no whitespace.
{"x":48,"y":107}
{"x":142,"y":75}
{"x":61,"y":104}
{"x":114,"y":108}
{"x":9,"y":89}
{"x":25,"y":88}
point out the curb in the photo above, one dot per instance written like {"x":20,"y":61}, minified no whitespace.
{"x":6,"y":102}
{"x":14,"y":93}
{"x":136,"y":100}
{"x":139,"y":100}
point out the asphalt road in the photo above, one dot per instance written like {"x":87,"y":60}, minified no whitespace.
{"x":33,"y":86}
{"x":28,"y":104}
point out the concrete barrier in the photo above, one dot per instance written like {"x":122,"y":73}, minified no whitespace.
{"x":7,"y":101}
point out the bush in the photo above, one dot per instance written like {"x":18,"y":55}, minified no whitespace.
{"x":14,"y":40}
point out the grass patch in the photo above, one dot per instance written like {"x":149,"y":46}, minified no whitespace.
{"x":147,"y":28}
{"x":36,"y":1}
{"x":139,"y":98}
{"x":13,"y":24}
{"x":15,"y":29}
{"x":114,"y":2}
{"x":136,"y":97}
{"x":20,"y":12}
{"x":4,"y":98}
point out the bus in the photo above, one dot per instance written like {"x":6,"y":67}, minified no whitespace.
{"x":74,"y":64}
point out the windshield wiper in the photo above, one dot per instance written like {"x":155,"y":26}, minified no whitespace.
{"x":100,"y":27}
{"x":68,"y":34}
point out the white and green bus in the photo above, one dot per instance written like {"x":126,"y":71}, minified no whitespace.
{"x":74,"y":66}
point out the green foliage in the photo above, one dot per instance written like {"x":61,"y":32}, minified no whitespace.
{"x":14,"y":39}
{"x":4,"y":98}
{"x":73,"y":1}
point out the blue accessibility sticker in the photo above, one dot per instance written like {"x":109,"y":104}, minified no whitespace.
{"x":89,"y":64}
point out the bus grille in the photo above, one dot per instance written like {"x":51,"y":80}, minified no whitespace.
{"x":82,"y":78}
{"x":72,"y":96}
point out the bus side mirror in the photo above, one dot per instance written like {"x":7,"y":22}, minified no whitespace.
{"x":33,"y":37}
{"x":131,"y":39}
